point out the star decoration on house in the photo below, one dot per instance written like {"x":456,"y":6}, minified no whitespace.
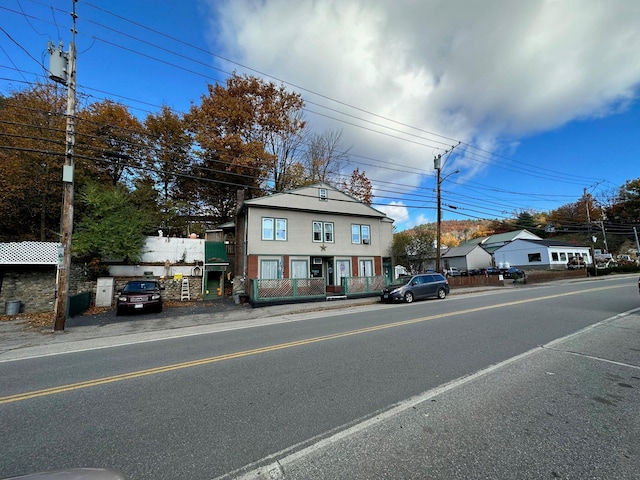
{"x":323,"y":247}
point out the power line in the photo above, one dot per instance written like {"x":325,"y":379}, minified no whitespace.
{"x":532,"y":170}
{"x":347,"y":105}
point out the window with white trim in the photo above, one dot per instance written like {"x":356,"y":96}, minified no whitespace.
{"x":366,"y":234}
{"x":281,"y":229}
{"x":269,"y":269}
{"x":274,"y":229}
{"x":328,"y":232}
{"x":299,"y":269}
{"x":361,"y":234}
{"x":355,"y":234}
{"x":534,"y":257}
{"x":366,"y":268}
{"x":323,"y":232}
{"x":322,"y":194}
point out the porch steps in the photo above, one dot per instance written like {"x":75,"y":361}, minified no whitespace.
{"x":184,"y":294}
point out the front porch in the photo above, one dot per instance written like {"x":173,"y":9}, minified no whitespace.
{"x":291,"y":290}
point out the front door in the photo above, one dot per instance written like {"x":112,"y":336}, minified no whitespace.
{"x":328,"y":266}
{"x":343,"y":270}
{"x":387,"y":270}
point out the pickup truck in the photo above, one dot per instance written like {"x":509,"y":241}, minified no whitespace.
{"x":454,"y":272}
{"x":576,"y":262}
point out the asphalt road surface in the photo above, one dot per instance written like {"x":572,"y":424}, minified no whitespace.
{"x":535,"y":382}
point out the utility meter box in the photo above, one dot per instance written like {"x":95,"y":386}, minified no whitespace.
{"x":104,"y":292}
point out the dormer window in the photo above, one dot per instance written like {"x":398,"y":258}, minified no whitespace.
{"x":322,"y":194}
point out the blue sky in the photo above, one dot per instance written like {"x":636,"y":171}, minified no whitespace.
{"x":539,"y":98}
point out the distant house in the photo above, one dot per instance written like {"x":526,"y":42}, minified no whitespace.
{"x":539,"y":254}
{"x":310,"y":241}
{"x":493,"y":242}
{"x":466,"y":257}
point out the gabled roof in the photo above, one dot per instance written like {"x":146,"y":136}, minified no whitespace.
{"x":307,"y":199}
{"x":460,"y":251}
{"x":504,"y":237}
{"x":29,"y":253}
{"x":550,"y":243}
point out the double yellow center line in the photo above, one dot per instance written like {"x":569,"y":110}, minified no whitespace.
{"x":257,"y":351}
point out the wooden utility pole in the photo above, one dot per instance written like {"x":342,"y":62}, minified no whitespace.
{"x":64,"y":266}
{"x":438,"y":166}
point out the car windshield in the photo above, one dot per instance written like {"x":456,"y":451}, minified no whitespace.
{"x":140,"y":287}
{"x":401,"y":281}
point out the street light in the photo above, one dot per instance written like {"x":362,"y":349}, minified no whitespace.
{"x":438,"y":166}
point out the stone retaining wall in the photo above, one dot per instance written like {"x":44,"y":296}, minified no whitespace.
{"x":35,"y":286}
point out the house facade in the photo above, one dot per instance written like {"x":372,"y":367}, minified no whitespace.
{"x":315,"y":233}
{"x":539,"y":254}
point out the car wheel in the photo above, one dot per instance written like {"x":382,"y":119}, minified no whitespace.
{"x":408,"y":297}
{"x":118,"y":312}
{"x":441,"y":293}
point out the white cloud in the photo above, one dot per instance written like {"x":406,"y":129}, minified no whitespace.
{"x":395,"y":210}
{"x":486,"y":72}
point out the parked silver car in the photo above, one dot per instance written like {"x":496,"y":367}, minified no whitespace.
{"x":408,"y":288}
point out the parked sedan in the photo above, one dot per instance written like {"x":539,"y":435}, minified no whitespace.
{"x":408,"y":288}
{"x":140,"y":295}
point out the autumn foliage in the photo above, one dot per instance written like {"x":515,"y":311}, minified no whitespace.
{"x":182,"y":170}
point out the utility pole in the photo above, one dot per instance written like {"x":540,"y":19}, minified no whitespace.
{"x":604,"y":236}
{"x":64,"y":264}
{"x":592,"y":238}
{"x":437,"y":165}
{"x":586,"y":204}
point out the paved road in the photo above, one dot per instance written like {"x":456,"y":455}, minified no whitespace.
{"x":83,"y":332}
{"x":566,"y":409}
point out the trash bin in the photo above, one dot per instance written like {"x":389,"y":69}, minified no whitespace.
{"x":12,"y":307}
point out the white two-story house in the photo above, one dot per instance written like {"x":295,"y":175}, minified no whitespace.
{"x":317,"y":233}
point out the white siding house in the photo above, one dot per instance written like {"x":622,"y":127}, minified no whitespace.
{"x":467,"y":257}
{"x":539,"y":254}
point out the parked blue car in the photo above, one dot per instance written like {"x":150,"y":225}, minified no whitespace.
{"x":408,"y":288}
{"x":512,"y":272}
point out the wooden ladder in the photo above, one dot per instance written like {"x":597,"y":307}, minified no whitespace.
{"x":184,"y":294}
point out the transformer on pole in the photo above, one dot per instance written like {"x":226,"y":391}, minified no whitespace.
{"x":62,"y":68}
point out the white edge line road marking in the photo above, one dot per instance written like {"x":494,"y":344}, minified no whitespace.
{"x":274,"y":470}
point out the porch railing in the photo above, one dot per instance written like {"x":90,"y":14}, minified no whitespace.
{"x":287,"y":289}
{"x":302,"y":289}
{"x":363,"y":286}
